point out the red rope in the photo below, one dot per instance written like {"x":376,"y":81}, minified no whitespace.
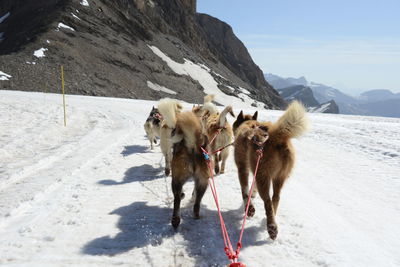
{"x":232,"y":255}
{"x":216,"y":134}
{"x":260,"y":154}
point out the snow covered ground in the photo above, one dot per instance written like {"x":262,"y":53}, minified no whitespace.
{"x":93,"y":194}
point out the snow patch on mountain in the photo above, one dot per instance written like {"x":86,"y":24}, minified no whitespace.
{"x":3,"y":18}
{"x":157,"y":87}
{"x":4,"y":76}
{"x":202,"y":74}
{"x":64,"y":26}
{"x":321,"y":109}
{"x":84,"y":3}
{"x":40,"y":52}
{"x":75,"y":16}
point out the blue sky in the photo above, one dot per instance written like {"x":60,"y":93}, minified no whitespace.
{"x":352,"y":45}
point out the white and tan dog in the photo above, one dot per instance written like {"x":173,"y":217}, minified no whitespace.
{"x":215,"y":124}
{"x":168,"y":108}
{"x":152,"y":126}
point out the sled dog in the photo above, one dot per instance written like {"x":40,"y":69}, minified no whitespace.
{"x":277,"y":161}
{"x":242,"y":118}
{"x":168,"y":108}
{"x":152,"y":126}
{"x":187,"y":160}
{"x":213,"y":122}
{"x":218,"y":129}
{"x":199,"y":110}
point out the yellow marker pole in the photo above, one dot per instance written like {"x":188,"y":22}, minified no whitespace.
{"x":63,"y":92}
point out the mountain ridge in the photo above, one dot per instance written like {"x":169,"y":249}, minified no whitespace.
{"x":380,"y":102}
{"x":104,"y":49}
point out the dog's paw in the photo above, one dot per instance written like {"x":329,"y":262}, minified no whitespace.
{"x":196,"y":215}
{"x":175,"y":221}
{"x":167,"y":171}
{"x":196,"y":211}
{"x":216,"y":169}
{"x":251,"y":211}
{"x":272,"y":230}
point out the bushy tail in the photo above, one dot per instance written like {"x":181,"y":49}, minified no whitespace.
{"x":293,"y":122}
{"x":209,"y":106}
{"x":222,"y":116}
{"x":209,"y":98}
{"x":169,"y":108}
{"x":188,"y":128}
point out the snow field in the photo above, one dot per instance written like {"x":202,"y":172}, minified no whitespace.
{"x":93,"y":194}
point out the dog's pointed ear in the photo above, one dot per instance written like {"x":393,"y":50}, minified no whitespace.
{"x":179,"y":106}
{"x":255,"y":115}
{"x":240,"y":116}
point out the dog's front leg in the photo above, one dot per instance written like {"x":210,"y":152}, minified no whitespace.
{"x":216,"y":163}
{"x":177,"y":191}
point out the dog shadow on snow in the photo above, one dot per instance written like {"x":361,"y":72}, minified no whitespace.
{"x":141,"y":173}
{"x":141,"y":225}
{"x":129,"y":150}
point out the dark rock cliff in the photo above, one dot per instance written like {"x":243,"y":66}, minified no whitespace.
{"x":233,"y":54}
{"x":106,"y":49}
{"x":301,"y":93}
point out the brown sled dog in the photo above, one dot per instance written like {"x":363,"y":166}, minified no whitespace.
{"x":187,"y":160}
{"x":242,"y":118}
{"x":277,"y":161}
{"x":168,"y":108}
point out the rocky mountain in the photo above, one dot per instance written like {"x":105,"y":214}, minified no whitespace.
{"x":378,"y":102}
{"x":299,"y":92}
{"x":378,"y":95}
{"x":385,"y":108}
{"x":305,"y":95}
{"x":324,"y":93}
{"x":145,"y":49}
{"x":328,"y":107}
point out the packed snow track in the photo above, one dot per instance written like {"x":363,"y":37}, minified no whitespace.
{"x":94,"y":194}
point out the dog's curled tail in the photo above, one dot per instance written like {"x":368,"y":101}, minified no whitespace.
{"x":209,"y":106}
{"x":168,"y":108}
{"x":222,"y":116}
{"x":293,"y":122}
{"x":188,"y":128}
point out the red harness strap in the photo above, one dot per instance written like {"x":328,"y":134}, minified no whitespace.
{"x":233,"y":255}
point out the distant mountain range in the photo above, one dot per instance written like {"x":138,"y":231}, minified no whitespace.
{"x":379,"y":102}
{"x":378,"y":95}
